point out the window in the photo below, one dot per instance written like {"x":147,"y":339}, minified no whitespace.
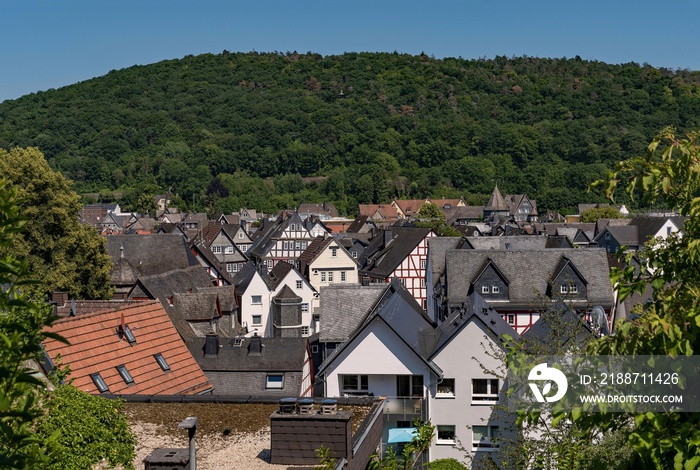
{"x":125,"y":374}
{"x":323,"y":276}
{"x":216,"y":250}
{"x":446,"y":434}
{"x":573,"y":289}
{"x":668,"y":231}
{"x":354,"y":254}
{"x":330,"y":276}
{"x":304,"y":331}
{"x":304,"y":307}
{"x":484,"y":437}
{"x":297,"y":245}
{"x":285,"y":245}
{"x":484,"y":391}
{"x":422,"y":282}
{"x":230,"y":267}
{"x":256,"y":299}
{"x":299,"y":284}
{"x":446,"y":388}
{"x":161,"y":362}
{"x":314,"y":349}
{"x":355,"y":383}
{"x":257,"y":319}
{"x":409,"y":385}
{"x":404,"y":424}
{"x":511,"y":319}
{"x":564,"y":289}
{"x":274,"y":381}
{"x":607,"y":235}
{"x":240,"y":234}
{"x":293,"y":227}
{"x":334,"y":252}
{"x":229,"y":249}
{"x":129,"y":335}
{"x":303,"y":245}
{"x":244,"y":248}
{"x":343,"y":276}
{"x":99,"y":383}
{"x":422,"y":264}
{"x":270,"y":263}
{"x":484,"y":289}
{"x":495,"y":289}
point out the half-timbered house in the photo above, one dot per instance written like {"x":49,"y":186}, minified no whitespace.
{"x":284,"y":240}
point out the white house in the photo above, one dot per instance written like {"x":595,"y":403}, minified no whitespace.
{"x":326,"y":262}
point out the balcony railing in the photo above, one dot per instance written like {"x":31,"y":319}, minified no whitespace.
{"x":406,"y":406}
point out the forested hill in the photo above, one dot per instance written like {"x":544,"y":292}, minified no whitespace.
{"x":377,"y":125}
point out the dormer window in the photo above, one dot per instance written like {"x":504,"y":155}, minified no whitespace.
{"x":484,"y":289}
{"x":495,"y":290}
{"x":564,"y":289}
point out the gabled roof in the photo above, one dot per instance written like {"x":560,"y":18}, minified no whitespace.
{"x":626,"y":235}
{"x":563,"y":263}
{"x":95,"y":347}
{"x":380,"y":211}
{"x":474,"y":309}
{"x":151,"y":254}
{"x":325,"y":208}
{"x":444,"y":203}
{"x":278,"y":355}
{"x":559,"y":326}
{"x":343,"y":308}
{"x":163,"y":286}
{"x":197,"y":306}
{"x":496,"y":201}
{"x":410,"y":207}
{"x":263,"y":243}
{"x":648,"y":227}
{"x":383,"y":262}
{"x":82,"y":307}
{"x":401,"y":313}
{"x":358,"y":224}
{"x":227,"y":296}
{"x":456,"y":213}
{"x":278,"y":273}
{"x":287,"y":293}
{"x":243,"y":278}
{"x":210,"y":260}
{"x":529,"y":273}
{"x":507,"y":242}
{"x":437,"y":247}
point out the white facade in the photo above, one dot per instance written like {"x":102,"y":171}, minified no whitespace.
{"x":301,"y":287}
{"x":411,"y":271}
{"x":255,"y":306}
{"x":334,"y":265}
{"x":464,"y":361}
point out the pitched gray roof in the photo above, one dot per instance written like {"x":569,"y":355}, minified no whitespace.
{"x":496,"y":201}
{"x":471,"y":310}
{"x":437,"y":247}
{"x":627,"y":235}
{"x":151,"y":254}
{"x":528,"y":272}
{"x":278,"y":354}
{"x":343,"y":308}
{"x":508,"y":242}
{"x":163,"y":286}
{"x":227,"y":296}
{"x":648,"y":226}
{"x":196,"y":306}
{"x":383,"y":262}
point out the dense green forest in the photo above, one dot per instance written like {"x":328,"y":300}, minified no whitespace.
{"x":253,"y":129}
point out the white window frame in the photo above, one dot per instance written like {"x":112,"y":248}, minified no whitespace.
{"x":258,"y":318}
{"x":277,"y":381}
{"x":240,"y":234}
{"x":446,"y":388}
{"x":564,"y":289}
{"x":495,"y":289}
{"x":304,"y":331}
{"x":484,"y":289}
{"x":423,"y":263}
{"x":334,"y":252}
{"x":441,"y":438}
{"x":354,"y":254}
{"x":323,"y":276}
{"x":491,"y":395}
{"x":343,"y":276}
{"x":244,"y":248}
{"x":253,"y":299}
{"x":229,"y":267}
{"x":509,"y":317}
{"x":217,"y":250}
{"x":228,"y":249}
{"x":305,"y":307}
{"x":330,"y":276}
{"x":490,"y":432}
{"x":573,"y":289}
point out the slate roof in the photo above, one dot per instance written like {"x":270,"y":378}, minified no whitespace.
{"x":528,"y":273}
{"x":95,"y":347}
{"x":383,"y":262}
{"x":648,"y":227}
{"x":314,"y":249}
{"x":163,"y":286}
{"x":149,"y":254}
{"x":278,"y":354}
{"x":552,"y":229}
{"x":242,"y":279}
{"x":343,"y":308}
{"x":559,"y":326}
{"x":456,"y":213}
{"x":437,"y":248}
{"x":82,"y":307}
{"x":507,"y":242}
{"x":278,"y":273}
{"x":227,"y":296}
{"x":211,"y":261}
{"x":325,"y":208}
{"x":471,"y":310}
{"x":627,"y":235}
{"x":196,"y":306}
{"x":399,"y":311}
{"x":357,"y":224}
{"x":442,"y":203}
{"x":496,"y":201}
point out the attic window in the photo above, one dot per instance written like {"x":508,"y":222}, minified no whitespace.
{"x":161,"y":362}
{"x":129,"y":335}
{"x":564,"y":289}
{"x":99,"y":383}
{"x":125,"y":374}
{"x":334,"y":252}
{"x":237,"y":342}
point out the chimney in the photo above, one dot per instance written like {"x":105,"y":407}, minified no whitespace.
{"x":255,"y":346}
{"x":388,"y":236}
{"x":211,"y":346}
{"x":61,"y":298}
{"x":190,"y":423}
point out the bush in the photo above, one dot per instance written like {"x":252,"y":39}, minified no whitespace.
{"x":446,"y":464}
{"x":89,"y":429}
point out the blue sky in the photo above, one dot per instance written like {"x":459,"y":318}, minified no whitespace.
{"x":52,"y":43}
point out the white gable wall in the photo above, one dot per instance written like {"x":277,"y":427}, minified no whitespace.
{"x":257,"y":287}
{"x":380,"y":354}
{"x":306,"y":293}
{"x":464,"y":358}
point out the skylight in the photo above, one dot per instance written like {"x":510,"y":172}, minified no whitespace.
{"x":161,"y":362}
{"x":99,"y":383}
{"x":129,"y":335}
{"x":125,"y":374}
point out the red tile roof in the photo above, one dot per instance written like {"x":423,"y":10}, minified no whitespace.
{"x":96,"y":347}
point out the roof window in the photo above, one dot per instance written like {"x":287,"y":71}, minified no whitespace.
{"x":161,"y":362}
{"x":99,"y":382}
{"x":128,"y":379}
